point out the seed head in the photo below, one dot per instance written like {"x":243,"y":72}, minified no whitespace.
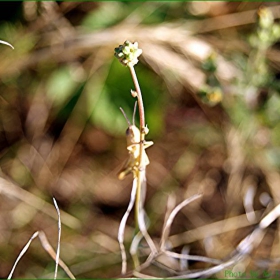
{"x":128,"y":53}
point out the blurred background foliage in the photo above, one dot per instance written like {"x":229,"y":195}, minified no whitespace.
{"x":209,"y":74}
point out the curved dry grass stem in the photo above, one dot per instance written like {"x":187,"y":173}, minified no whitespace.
{"x":171,"y":217}
{"x":184,"y":256}
{"x":48,"y":248}
{"x":244,"y":248}
{"x":10,"y":189}
{"x":141,"y":211}
{"x":23,"y":251}
{"x":206,"y":272}
{"x":171,"y":204}
{"x":248,"y":202}
{"x":58,"y":240}
{"x":46,"y":245}
{"x":123,"y":224}
{"x":7,"y":44}
{"x":270,"y":217}
{"x":213,"y":229}
{"x":140,"y":177}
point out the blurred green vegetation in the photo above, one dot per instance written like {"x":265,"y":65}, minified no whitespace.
{"x":209,"y":74}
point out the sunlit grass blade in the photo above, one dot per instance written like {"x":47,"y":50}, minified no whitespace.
{"x":23,"y":251}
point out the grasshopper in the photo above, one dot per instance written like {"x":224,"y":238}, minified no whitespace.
{"x":133,"y":147}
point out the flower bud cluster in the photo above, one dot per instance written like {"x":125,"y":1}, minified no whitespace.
{"x":128,"y":53}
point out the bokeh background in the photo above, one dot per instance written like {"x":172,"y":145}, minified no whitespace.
{"x":209,"y":75}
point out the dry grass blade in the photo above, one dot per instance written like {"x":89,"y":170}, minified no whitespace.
{"x":270,"y":217}
{"x":170,"y":219}
{"x":6,"y":43}
{"x":123,"y":224}
{"x":171,"y":204}
{"x":248,"y":202}
{"x":141,"y":212}
{"x":143,"y":229}
{"x":184,"y":256}
{"x":10,"y":189}
{"x":206,"y":272}
{"x":46,"y":245}
{"x":230,"y":20}
{"x":244,"y":248}
{"x":212,"y":229}
{"x":22,"y":253}
{"x":251,"y":241}
{"x":58,"y":240}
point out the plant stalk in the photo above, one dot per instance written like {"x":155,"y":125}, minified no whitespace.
{"x":141,"y":167}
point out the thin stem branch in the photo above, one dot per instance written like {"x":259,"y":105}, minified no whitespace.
{"x":128,"y":55}
{"x":139,"y":97}
{"x":142,"y":139}
{"x":58,"y":240}
{"x":23,"y":251}
{"x":140,"y":174}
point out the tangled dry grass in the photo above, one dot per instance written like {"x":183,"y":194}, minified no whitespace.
{"x":60,"y":137}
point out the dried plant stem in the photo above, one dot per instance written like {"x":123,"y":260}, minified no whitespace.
{"x":139,"y":97}
{"x":46,"y":245}
{"x":11,"y":190}
{"x":171,"y":217}
{"x":58,"y":240}
{"x":140,"y":174}
{"x":141,"y":212}
{"x":184,"y":256}
{"x":22,"y":253}
{"x":128,"y":55}
{"x":6,"y":43}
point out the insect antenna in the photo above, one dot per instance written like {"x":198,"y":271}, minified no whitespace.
{"x":125,"y":116}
